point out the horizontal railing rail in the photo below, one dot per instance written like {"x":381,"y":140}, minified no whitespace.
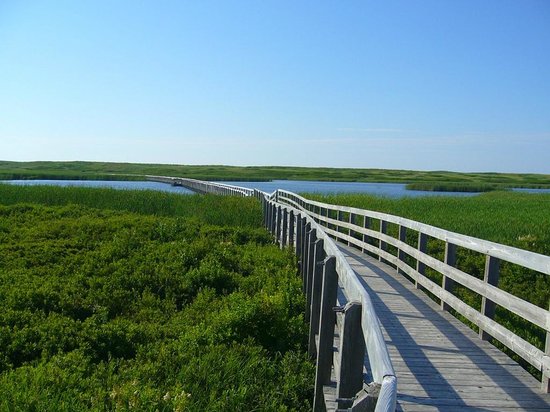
{"x":326,"y":274}
{"x":341,"y":223}
{"x":201,"y":186}
{"x":311,"y":227}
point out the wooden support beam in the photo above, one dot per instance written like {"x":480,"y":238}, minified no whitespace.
{"x":291,"y":229}
{"x":284,"y":235}
{"x":545,"y":383}
{"x":352,"y":353}
{"x":351,"y":221}
{"x":315,"y":301}
{"x":366,"y":225}
{"x":308,"y":278}
{"x":400,"y":254}
{"x":327,"y":321}
{"x":447,"y":283}
{"x":383,"y":245}
{"x":422,"y":248}
{"x":491,"y":275}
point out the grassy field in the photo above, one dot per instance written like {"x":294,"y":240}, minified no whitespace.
{"x":129,"y":171}
{"x":515,"y":219}
{"x":146,"y":301}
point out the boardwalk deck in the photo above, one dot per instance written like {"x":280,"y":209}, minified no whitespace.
{"x":441,"y":364}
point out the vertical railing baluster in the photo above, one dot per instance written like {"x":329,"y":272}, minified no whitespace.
{"x":291,"y":223}
{"x":422,"y":247}
{"x":284,"y":240}
{"x":545,"y":383}
{"x":305,"y":254}
{"x":383,"y":245}
{"x":366,"y":225}
{"x":309,"y":272}
{"x":446,"y":282}
{"x":351,"y":233}
{"x":490,"y":276}
{"x":299,"y":234}
{"x":340,"y":217}
{"x":316,"y":289}
{"x":352,"y":354}
{"x":400,"y":253}
{"x":326,"y":331}
{"x":278,"y":234}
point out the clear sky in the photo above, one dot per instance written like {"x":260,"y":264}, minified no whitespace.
{"x":430,"y":84}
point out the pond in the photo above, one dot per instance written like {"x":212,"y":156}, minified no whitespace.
{"x":379,"y":189}
{"x":297,"y":186}
{"x":113,"y":184}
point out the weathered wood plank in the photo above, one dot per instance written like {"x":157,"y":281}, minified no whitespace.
{"x":440,"y":362}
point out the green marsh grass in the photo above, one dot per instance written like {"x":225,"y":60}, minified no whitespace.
{"x":218,"y":210}
{"x":146,"y":301}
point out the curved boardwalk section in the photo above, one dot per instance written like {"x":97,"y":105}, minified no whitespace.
{"x":441,"y":364}
{"x":379,"y":341}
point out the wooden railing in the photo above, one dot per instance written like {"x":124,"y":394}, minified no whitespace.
{"x":356,"y":227}
{"x":340,"y":315}
{"x":340,"y":311}
{"x":338,"y":308}
{"x":201,"y":186}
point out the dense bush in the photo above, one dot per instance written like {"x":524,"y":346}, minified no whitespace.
{"x":110,"y":310}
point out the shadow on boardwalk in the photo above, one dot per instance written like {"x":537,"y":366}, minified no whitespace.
{"x":440,"y":363}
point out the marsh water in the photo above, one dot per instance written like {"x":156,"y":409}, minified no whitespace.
{"x":394,"y":190}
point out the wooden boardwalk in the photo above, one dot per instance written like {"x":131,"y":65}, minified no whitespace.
{"x":441,"y":364}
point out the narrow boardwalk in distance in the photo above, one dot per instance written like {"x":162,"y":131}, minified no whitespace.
{"x":441,"y":364}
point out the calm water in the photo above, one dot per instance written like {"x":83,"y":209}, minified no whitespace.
{"x":103,"y":183}
{"x":379,"y":189}
{"x":297,"y":186}
{"x":394,"y":190}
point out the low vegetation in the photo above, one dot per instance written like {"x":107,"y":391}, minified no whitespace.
{"x":455,"y":187}
{"x":132,"y":171}
{"x":109,"y":304}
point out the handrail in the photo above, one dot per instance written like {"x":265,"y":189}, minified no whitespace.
{"x":358,"y":235}
{"x":521,"y":257}
{"x":302,"y":223}
{"x":288,"y":224}
{"x":381,"y":367}
{"x":201,"y":186}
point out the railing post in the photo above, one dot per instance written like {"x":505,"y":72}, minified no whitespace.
{"x":308,"y":278}
{"x":315,"y":301}
{"x":422,"y":247}
{"x":305,"y":254}
{"x":278,"y":228}
{"x":291,"y":222}
{"x":284,"y":239}
{"x":273,"y":218}
{"x":351,"y":233}
{"x":269,"y":217}
{"x":352,"y":353}
{"x":383,"y":245}
{"x":545,"y":383}
{"x":491,"y":275}
{"x":266,"y":213}
{"x":299,"y":234}
{"x":326,"y":331}
{"x":450,"y":259}
{"x":339,"y":218}
{"x":400,"y":253}
{"x":366,"y":225}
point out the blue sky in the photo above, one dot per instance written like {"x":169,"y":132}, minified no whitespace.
{"x":427,"y":85}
